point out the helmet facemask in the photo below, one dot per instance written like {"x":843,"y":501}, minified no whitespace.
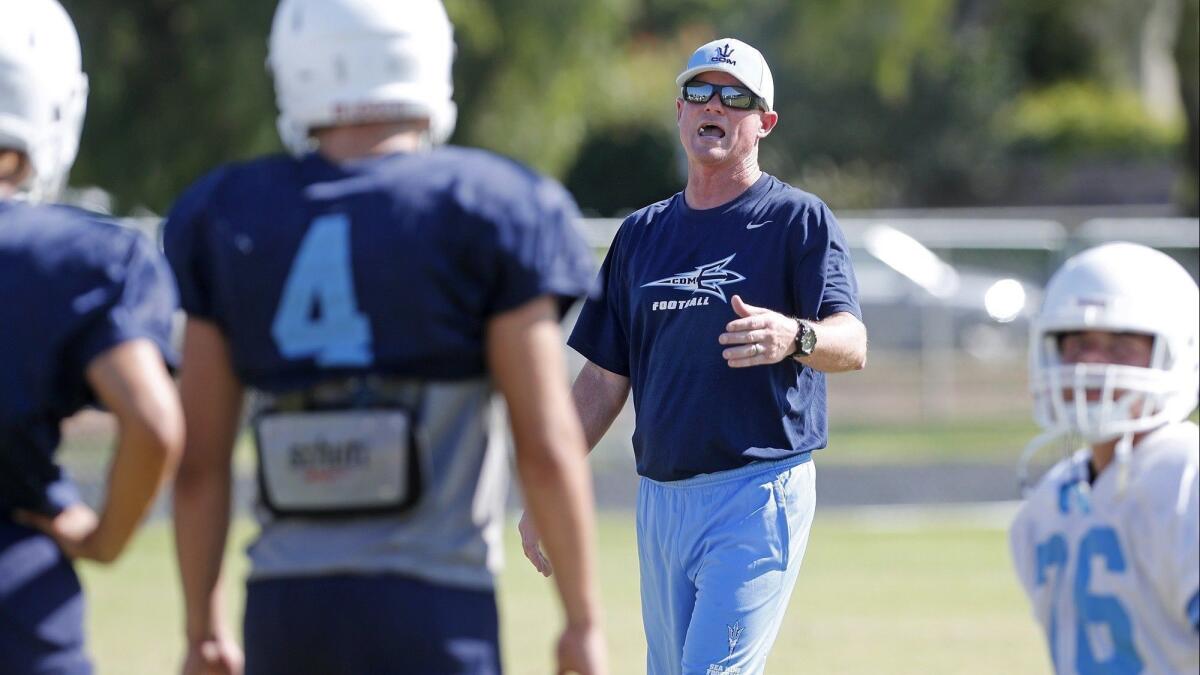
{"x":1131,"y":399}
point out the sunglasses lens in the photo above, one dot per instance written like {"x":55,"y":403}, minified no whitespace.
{"x":741,"y":98}
{"x":736,"y":97}
{"x":697,"y":92}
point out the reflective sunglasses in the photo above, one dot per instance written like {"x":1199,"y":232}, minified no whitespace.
{"x":741,"y":98}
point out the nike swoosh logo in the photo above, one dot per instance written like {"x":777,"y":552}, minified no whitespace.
{"x":755,"y":226}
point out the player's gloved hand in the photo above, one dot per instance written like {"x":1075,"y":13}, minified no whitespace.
{"x":760,"y":336}
{"x":214,"y":656}
{"x":531,"y":544}
{"x":582,"y":650}
{"x":73,"y":529}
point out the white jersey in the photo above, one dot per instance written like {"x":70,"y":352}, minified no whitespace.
{"x":1113,"y":576}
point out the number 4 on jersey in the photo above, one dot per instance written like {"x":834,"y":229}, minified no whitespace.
{"x":318,"y":314}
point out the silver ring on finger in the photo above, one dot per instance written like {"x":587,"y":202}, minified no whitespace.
{"x":758,"y":348}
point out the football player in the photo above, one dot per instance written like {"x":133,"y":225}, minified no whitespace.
{"x":86,"y":318}
{"x":1106,"y":544}
{"x":369,"y":291}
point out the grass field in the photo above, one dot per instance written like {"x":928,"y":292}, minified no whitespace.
{"x":896,"y":597}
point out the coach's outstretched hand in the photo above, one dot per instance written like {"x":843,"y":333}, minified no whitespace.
{"x":760,"y":336}
{"x":531,"y":543}
{"x":582,"y":650}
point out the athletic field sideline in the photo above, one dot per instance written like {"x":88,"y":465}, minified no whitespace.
{"x":883,"y":590}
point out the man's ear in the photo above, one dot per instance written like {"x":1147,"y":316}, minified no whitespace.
{"x":769,"y":119}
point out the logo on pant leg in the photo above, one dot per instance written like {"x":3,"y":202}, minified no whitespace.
{"x":735,"y":634}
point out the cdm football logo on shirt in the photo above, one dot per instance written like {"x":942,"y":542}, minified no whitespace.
{"x":707,"y":280}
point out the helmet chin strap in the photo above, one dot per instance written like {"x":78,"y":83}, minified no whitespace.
{"x":1121,"y":457}
{"x":1031,"y":450}
{"x":1070,"y":441}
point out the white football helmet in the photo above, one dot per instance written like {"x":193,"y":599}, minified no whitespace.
{"x":1120,"y":288}
{"x":349,"y":61}
{"x":1126,"y":288}
{"x":43,"y":91}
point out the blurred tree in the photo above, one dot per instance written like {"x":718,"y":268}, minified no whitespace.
{"x":899,"y":90}
{"x":1187,"y":60}
{"x":176,"y":87}
{"x":530,"y":72}
{"x":913,"y":102}
{"x":623,"y":167}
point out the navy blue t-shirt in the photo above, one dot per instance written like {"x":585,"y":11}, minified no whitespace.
{"x":390,"y":264}
{"x":667,"y":284}
{"x":74,"y":287}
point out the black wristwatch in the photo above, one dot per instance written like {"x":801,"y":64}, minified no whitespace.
{"x":806,"y":339}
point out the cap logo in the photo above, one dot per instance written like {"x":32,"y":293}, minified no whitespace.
{"x":722,"y":55}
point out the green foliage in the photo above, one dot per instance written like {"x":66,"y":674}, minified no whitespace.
{"x":1050,"y":41}
{"x":176,"y":88}
{"x":529,"y":75}
{"x":623,"y":168}
{"x":1080,"y":119}
{"x":917,"y":102}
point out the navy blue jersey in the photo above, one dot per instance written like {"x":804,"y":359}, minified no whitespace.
{"x":666,"y":285}
{"x":74,"y":286}
{"x":390,"y":264}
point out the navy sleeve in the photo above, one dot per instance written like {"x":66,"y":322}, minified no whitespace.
{"x":139,"y":305}
{"x":825,"y":283}
{"x":547,"y":257}
{"x":600,"y":334}
{"x":183,"y":241}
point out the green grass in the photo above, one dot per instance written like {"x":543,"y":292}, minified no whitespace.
{"x":995,"y":441}
{"x":935,"y":598}
{"x":86,"y":452}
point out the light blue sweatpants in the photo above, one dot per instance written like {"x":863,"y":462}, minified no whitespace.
{"x":719,"y":556}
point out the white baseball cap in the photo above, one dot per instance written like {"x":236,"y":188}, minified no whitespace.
{"x":736,"y":58}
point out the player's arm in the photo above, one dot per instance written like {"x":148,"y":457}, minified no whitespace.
{"x":524,"y":353}
{"x":212,"y":403}
{"x":131,"y":380}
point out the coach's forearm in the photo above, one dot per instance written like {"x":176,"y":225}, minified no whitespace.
{"x":599,"y":395}
{"x":558,"y":494}
{"x":841,"y":344}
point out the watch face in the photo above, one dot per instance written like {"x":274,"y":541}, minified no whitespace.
{"x":808,"y":340}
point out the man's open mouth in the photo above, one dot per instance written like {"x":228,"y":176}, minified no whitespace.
{"x":711,"y":131}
